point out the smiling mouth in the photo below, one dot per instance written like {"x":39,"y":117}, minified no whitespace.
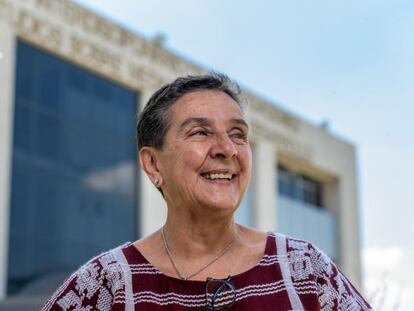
{"x":218,"y":176}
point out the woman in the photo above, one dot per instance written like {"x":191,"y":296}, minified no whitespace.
{"x":193,"y":144}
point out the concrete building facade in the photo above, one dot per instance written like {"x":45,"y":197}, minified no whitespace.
{"x":304,"y":179}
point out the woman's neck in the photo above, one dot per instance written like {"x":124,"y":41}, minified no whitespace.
{"x":199,"y":236}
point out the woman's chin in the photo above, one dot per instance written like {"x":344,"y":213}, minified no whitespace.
{"x":221,"y":205}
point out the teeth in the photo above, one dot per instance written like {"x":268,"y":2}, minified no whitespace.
{"x":219,"y":176}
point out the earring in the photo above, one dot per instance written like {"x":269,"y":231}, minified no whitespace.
{"x":156,"y":181}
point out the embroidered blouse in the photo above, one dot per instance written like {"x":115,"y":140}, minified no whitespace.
{"x":292,"y":275}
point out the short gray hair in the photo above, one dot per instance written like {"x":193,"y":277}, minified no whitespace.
{"x":154,"y":122}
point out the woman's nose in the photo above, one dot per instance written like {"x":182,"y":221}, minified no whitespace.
{"x":223,"y":147}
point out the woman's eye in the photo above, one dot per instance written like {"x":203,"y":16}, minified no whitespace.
{"x":199,"y":133}
{"x":239,"y":135}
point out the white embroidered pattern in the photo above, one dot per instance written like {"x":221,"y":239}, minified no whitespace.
{"x":90,"y":281}
{"x":127,"y":276}
{"x":298,"y":245}
{"x":71,"y":301}
{"x":333,"y":289}
{"x":112,"y":272}
{"x":281,"y":246}
{"x":326,"y":296}
{"x":104,"y":300}
{"x":300,"y":265}
{"x":321,"y":263}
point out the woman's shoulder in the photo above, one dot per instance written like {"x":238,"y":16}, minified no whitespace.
{"x":105,"y":265}
{"x":304,"y":252}
{"x":306,"y":261}
{"x":96,"y":282}
{"x":295,"y":245}
{"x":252,"y":235}
{"x":288,"y":246}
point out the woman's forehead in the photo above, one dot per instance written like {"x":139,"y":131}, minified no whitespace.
{"x":210,"y":104}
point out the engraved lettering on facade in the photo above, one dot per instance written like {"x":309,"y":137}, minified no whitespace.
{"x":39,"y":31}
{"x":45,"y":3}
{"x":87,"y":21}
{"x":94,"y":56}
{"x":141,"y":48}
{"x":283,"y":142}
{"x":123,"y":37}
{"x":145,"y":78}
{"x":273,"y":113}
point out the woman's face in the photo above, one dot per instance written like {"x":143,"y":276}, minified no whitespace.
{"x":206,"y":158}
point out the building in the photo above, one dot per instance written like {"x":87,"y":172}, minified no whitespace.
{"x":71,"y":84}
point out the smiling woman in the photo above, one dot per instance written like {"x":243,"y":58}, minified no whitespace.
{"x":193,"y":143}
{"x":206,"y":158}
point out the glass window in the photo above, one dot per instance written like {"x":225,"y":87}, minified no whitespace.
{"x":74,"y":169}
{"x":301,"y":213}
{"x":306,"y":221}
{"x":299,"y":187}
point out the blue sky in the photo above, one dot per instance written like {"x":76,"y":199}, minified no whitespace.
{"x":347,"y":62}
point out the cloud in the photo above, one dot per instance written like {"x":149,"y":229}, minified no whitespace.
{"x":383,"y":259}
{"x":117,"y":179}
{"x":388,"y":279}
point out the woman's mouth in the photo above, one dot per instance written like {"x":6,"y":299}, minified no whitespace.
{"x":218,"y":176}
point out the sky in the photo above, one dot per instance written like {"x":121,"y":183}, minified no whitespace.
{"x":348,"y":63}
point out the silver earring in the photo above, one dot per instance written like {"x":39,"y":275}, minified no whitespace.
{"x":156,"y":181}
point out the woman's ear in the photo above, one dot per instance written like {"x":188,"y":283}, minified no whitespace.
{"x":149,"y":163}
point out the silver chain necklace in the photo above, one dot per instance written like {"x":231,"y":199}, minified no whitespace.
{"x":180,"y":275}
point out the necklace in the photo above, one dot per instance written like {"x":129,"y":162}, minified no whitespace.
{"x":180,"y":275}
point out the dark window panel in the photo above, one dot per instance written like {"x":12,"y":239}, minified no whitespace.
{"x":49,"y":85}
{"x":47,"y":136}
{"x":299,"y":187}
{"x":23,"y":127}
{"x":25,"y":81}
{"x":74,"y":168}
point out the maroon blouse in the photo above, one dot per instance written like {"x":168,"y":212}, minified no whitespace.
{"x":292,"y":275}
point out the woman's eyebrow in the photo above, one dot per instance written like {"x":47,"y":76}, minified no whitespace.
{"x":196,"y":121}
{"x":201,"y":121}
{"x":240,"y":121}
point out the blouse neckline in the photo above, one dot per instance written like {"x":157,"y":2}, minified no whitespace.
{"x":267,"y":251}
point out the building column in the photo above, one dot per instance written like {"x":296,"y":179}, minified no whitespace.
{"x":276,"y":190}
{"x":264,"y":185}
{"x":153,"y":209}
{"x":7,"y":66}
{"x":349,"y":228}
